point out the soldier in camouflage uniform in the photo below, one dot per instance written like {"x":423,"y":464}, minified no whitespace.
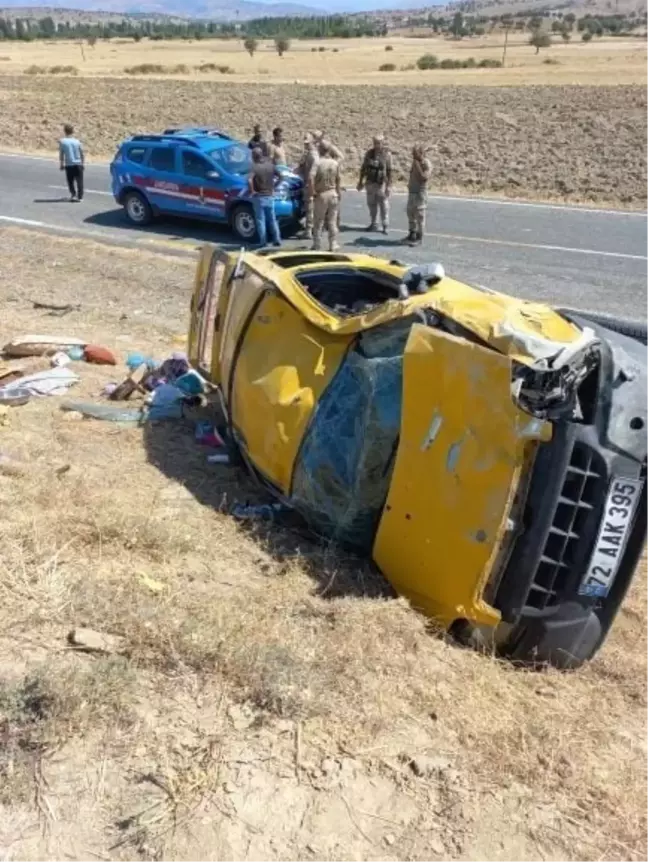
{"x":305,"y":169}
{"x":419,"y":178}
{"x":325,"y":189}
{"x":337,"y":154}
{"x":376,"y":178}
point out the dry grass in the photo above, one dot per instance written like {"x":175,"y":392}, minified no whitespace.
{"x":569,"y":143}
{"x":608,"y":61}
{"x":274,"y":692}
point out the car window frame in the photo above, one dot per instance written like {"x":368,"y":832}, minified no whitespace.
{"x":173,"y":150}
{"x":211,"y":167}
{"x":144,"y":147}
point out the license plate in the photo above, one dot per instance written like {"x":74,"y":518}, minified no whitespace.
{"x":620,"y":506}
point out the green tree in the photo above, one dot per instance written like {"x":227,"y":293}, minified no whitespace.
{"x":47,"y":28}
{"x":282,"y":45}
{"x":587,"y":36}
{"x":251,"y":44}
{"x":457,"y":26}
{"x":540,"y":39}
{"x":566,"y":35}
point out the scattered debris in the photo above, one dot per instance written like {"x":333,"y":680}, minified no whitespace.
{"x":14,"y":397}
{"x":425,"y":766}
{"x":89,"y":640}
{"x":40,"y":345}
{"x":52,"y":381}
{"x":56,"y":310}
{"x":105,"y":411}
{"x":218,"y":458}
{"x":59,"y":359}
{"x":99,"y":355}
{"x":264,"y":511}
{"x":207,"y":435}
{"x":166,"y":402}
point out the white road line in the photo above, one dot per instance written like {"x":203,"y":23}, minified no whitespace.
{"x":49,"y":159}
{"x":85,"y":191}
{"x":561,"y":248}
{"x":512,"y":243}
{"x":181,"y":243}
{"x":454,"y":198}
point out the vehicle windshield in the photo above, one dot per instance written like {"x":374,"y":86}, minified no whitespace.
{"x":235,"y":159}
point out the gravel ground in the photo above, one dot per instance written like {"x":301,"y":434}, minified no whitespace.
{"x":569,"y":143}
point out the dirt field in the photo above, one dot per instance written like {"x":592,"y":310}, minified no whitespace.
{"x":568,"y":143}
{"x":608,"y":61}
{"x":270,"y":699}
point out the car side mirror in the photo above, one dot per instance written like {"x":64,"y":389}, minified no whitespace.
{"x":213,"y":175}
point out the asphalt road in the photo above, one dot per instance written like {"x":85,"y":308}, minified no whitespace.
{"x":588,"y":258}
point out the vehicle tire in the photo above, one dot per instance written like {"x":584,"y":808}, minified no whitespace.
{"x":137,"y":209}
{"x":630,"y":328}
{"x":243,"y":222}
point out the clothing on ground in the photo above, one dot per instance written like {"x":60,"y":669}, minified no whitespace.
{"x":70,"y":151}
{"x":266,"y":219}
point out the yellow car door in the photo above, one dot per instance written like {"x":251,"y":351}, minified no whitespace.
{"x":463,"y":443}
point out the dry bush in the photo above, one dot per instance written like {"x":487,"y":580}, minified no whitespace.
{"x":63,"y":70}
{"x":52,"y":704}
{"x":215,"y":67}
{"x":157,"y":69}
{"x":35,"y":70}
{"x":387,"y":67}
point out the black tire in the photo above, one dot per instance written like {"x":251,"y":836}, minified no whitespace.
{"x":243,"y":222}
{"x":137,"y":208}
{"x":630,"y":328}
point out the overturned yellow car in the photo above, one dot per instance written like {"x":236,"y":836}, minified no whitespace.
{"x":487,"y":452}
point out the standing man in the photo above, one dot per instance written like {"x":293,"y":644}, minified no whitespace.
{"x":305,"y":169}
{"x":417,"y":194}
{"x":261,"y":185}
{"x":338,"y":155}
{"x":72,"y":161}
{"x":257,"y":139}
{"x":277,"y":147}
{"x":376,"y":177}
{"x":325,"y":188}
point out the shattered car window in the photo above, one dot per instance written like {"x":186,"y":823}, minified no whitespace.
{"x":344,"y":469}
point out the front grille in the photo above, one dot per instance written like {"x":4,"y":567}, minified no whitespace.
{"x":563,"y":550}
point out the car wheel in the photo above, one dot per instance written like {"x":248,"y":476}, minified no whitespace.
{"x":137,"y":208}
{"x":243,"y":222}
{"x":631,"y":328}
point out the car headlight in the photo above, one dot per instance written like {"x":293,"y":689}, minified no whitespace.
{"x":281,"y":192}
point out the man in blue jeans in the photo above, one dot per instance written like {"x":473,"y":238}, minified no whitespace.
{"x":261,"y":181}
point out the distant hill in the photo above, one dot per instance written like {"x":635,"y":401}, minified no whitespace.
{"x":215,"y":10}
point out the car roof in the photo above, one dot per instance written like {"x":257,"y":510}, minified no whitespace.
{"x":201,"y":138}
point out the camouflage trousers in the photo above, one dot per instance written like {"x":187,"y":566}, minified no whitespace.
{"x":325,"y":215}
{"x":378,"y":204}
{"x":309,"y":210}
{"x":416,"y":209}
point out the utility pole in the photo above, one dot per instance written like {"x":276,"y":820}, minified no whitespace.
{"x":506,"y":32}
